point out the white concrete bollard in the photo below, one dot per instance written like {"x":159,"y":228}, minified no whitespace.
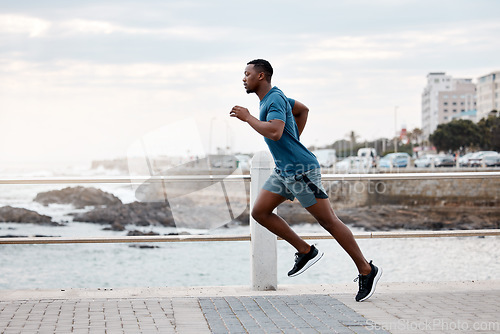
{"x":264,"y":254}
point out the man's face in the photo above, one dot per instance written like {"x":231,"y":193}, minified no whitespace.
{"x":251,"y":79}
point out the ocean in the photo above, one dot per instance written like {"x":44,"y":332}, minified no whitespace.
{"x":67,"y":266}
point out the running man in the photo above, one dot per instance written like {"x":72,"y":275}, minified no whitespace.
{"x":296,"y":175}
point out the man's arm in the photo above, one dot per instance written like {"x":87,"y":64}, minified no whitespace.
{"x":272,"y":129}
{"x":300,"y":113}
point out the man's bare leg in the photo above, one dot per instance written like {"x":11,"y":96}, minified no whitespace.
{"x":262,"y":212}
{"x":327,"y":218}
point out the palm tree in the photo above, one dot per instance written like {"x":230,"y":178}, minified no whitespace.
{"x":352,"y":139}
{"x":415,"y":136}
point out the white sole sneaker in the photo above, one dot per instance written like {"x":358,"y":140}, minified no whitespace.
{"x":309,"y":263}
{"x":374,"y":285}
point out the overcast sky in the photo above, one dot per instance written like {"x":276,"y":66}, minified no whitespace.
{"x":84,"y":80}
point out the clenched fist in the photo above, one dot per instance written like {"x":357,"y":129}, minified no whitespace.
{"x":240,"y":112}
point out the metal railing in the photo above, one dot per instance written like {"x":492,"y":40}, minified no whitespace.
{"x":247,"y":178}
{"x":264,"y":263}
{"x":240,"y":237}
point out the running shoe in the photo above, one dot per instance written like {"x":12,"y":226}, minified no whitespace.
{"x":367,"y":283}
{"x":304,"y":261}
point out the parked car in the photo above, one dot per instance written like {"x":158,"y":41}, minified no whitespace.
{"x":491,"y":160}
{"x":444,"y":161}
{"x":395,"y":160}
{"x":351,"y":164}
{"x":425,"y":161}
{"x":476,"y":160}
{"x":369,"y":154}
{"x":464,"y":159}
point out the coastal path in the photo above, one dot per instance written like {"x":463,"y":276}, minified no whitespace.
{"x":431,"y":307}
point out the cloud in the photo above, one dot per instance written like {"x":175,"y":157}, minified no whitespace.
{"x":81,"y":26}
{"x":91,"y":27}
{"x":85,"y":73}
{"x":37,"y":27}
{"x":27,"y":25}
{"x":398,"y":45}
{"x":350,"y":48}
{"x":120,"y":68}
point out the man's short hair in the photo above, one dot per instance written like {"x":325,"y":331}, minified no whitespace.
{"x":264,"y":66}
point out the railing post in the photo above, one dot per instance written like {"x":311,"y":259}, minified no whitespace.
{"x":264,"y":255}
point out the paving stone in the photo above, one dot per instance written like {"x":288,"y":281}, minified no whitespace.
{"x":278,"y":314}
{"x":254,"y":314}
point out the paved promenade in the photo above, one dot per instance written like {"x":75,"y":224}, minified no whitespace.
{"x":453,"y":307}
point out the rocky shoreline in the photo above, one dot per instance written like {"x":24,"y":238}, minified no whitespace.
{"x":9,"y":214}
{"x":392,"y":217}
{"x":79,"y":197}
{"x":136,"y":213}
{"x":106,"y":209}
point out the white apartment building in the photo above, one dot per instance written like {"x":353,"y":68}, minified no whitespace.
{"x":488,"y":94}
{"x":445,"y":98}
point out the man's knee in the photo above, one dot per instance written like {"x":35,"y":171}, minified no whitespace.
{"x":259,"y":214}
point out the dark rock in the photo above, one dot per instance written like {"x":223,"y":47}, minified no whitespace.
{"x":79,"y":197}
{"x":9,"y":214}
{"x":116,"y":226}
{"x":136,"y":233}
{"x":136,"y":213}
{"x":144,"y":246}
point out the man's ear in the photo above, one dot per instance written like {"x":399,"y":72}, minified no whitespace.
{"x":262,"y":76}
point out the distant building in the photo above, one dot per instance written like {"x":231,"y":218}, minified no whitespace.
{"x":470,"y":115}
{"x":445,"y":98}
{"x":488,"y":94}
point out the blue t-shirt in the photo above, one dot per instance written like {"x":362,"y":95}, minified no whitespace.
{"x":290,"y":156}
